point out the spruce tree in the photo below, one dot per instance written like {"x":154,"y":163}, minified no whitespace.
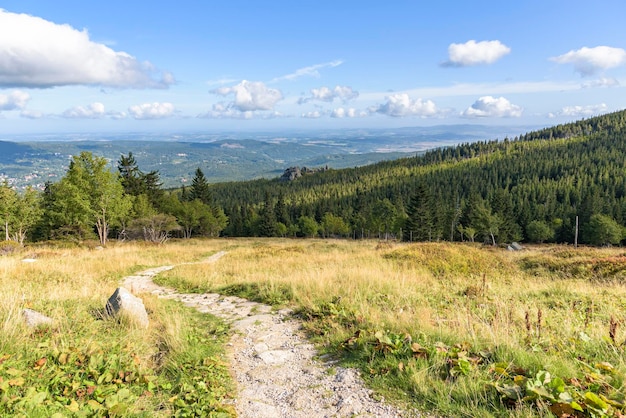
{"x":130,"y":175}
{"x":419,"y":225}
{"x":200,"y":189}
{"x":267,"y":221}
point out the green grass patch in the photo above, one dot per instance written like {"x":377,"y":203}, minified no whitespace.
{"x":101,"y":368}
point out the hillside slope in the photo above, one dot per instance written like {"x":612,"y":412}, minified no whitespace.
{"x":548,"y":176}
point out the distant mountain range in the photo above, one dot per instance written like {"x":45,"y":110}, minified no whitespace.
{"x":230,"y":156}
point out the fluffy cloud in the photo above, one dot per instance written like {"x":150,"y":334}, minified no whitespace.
{"x":37,"y":53}
{"x":488,"y":106}
{"x":399,"y":105}
{"x":13,"y":101}
{"x":117,"y":115}
{"x":588,"y":61}
{"x":227,"y":111}
{"x":347,"y":113}
{"x":602,"y":82}
{"x":475,"y":53}
{"x":223,"y":111}
{"x":93,"y":111}
{"x":154,"y":110}
{"x":250,"y":96}
{"x":580,"y":111}
{"x":325,"y":94}
{"x":32,"y":114}
{"x":316,"y":114}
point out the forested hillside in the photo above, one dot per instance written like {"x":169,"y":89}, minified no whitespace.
{"x":528,"y":188}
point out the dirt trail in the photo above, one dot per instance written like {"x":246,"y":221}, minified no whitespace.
{"x":273,"y":364}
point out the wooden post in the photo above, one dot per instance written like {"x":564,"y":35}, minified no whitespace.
{"x":576,"y":234}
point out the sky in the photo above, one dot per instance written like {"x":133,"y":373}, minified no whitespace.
{"x":190,"y":65}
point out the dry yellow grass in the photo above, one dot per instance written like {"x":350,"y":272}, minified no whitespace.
{"x":62,"y":282}
{"x":473,"y":293}
{"x":545,"y":308}
{"x":539,"y":303}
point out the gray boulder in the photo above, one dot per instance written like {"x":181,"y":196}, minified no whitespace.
{"x":291,"y":174}
{"x":122,"y":302}
{"x":34,"y":319}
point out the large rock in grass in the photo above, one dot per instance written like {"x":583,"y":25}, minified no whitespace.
{"x":124,"y":303}
{"x":35,"y":319}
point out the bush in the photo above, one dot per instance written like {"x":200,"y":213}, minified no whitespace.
{"x":9,"y":247}
{"x":604,"y":230}
{"x":539,"y":231}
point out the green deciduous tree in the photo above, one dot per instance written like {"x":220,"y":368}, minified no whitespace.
{"x":334,"y":226}
{"x":308,"y":226}
{"x":18,"y":212}
{"x":383,"y":217}
{"x":604,"y":230}
{"x":486,"y":222}
{"x":539,"y":231}
{"x":91,"y":195}
{"x":8,"y":197}
{"x":27,"y":213}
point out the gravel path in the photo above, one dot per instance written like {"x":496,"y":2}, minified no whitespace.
{"x":271,"y":360}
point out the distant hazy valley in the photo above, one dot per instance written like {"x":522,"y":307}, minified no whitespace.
{"x":35,"y":159}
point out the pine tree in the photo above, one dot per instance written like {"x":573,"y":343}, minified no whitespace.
{"x":130,"y":175}
{"x":267,"y":224}
{"x":200,"y":189}
{"x":419,"y":225}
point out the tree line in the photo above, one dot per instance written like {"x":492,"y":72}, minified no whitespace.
{"x":529,"y":188}
{"x":562,"y":184}
{"x":91,"y":201}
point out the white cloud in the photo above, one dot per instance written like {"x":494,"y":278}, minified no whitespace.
{"x":32,"y":114}
{"x":342,"y":112}
{"x":311,"y":71}
{"x":488,"y":106}
{"x":580,"y":111}
{"x":325,"y":94}
{"x":316,"y":114}
{"x":602,"y":82}
{"x":588,"y":61}
{"x":38,"y":53}
{"x":251,"y":96}
{"x":117,"y":115}
{"x":154,"y":110}
{"x":92,"y":111}
{"x":226,"y":111}
{"x":399,"y":105}
{"x":13,"y":101}
{"x":475,"y":53}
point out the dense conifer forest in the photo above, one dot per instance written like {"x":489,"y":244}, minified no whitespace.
{"x":528,"y":188}
{"x":534,"y":188}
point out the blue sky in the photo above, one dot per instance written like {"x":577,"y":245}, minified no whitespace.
{"x":77,"y":66}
